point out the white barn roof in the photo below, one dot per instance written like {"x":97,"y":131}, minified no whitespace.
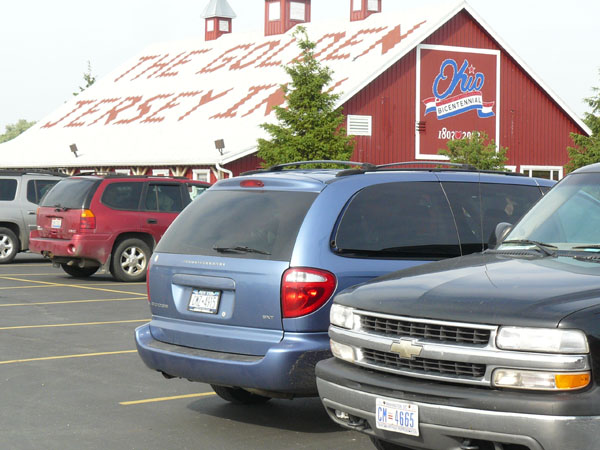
{"x":168,"y":104}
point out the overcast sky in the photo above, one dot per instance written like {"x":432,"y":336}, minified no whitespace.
{"x":45,"y":45}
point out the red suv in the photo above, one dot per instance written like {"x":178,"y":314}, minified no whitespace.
{"x":111,"y":222}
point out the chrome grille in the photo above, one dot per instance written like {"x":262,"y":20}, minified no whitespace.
{"x":424,"y":365}
{"x":406,"y":328}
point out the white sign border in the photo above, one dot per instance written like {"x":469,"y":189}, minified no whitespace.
{"x":448,"y":48}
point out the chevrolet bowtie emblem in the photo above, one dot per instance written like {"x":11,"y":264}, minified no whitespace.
{"x":406,"y":348}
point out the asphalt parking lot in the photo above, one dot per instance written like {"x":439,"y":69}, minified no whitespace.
{"x":70,"y":378}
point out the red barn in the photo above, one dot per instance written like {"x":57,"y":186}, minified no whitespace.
{"x":409,"y":83}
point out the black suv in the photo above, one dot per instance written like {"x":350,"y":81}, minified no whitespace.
{"x":496,"y":350}
{"x":20,"y":193}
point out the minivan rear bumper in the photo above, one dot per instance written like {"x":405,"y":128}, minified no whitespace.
{"x":96,"y":247}
{"x":286,"y":368}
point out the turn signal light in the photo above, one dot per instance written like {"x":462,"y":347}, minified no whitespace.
{"x":305,"y":290}
{"x":572,"y":381}
{"x":87,"y":221}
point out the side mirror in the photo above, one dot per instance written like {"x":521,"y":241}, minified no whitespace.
{"x":500,"y":232}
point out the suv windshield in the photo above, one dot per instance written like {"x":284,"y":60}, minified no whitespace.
{"x":568,"y":216}
{"x":243,"y":224}
{"x":72,"y":193}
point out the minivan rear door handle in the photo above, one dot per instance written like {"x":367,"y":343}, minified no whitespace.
{"x":152,"y":221}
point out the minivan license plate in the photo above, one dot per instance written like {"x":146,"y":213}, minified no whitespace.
{"x":56,"y":222}
{"x":401,"y":417}
{"x":204,"y":301}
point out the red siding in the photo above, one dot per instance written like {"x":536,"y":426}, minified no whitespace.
{"x":284,"y":23}
{"x":534,"y":127}
{"x":250,"y":162}
{"x":364,"y":12}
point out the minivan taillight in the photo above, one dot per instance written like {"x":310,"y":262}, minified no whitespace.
{"x":87,"y":220}
{"x":305,"y":290}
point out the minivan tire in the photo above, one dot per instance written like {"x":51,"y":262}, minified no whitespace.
{"x":9,"y":245}
{"x":79,"y":272}
{"x":238,"y":396}
{"x":130,"y":260}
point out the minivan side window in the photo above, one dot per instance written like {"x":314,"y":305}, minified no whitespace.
{"x":164,"y":198}
{"x":124,"y":195}
{"x":478,"y":208}
{"x":397,"y":220}
{"x":8,"y":189}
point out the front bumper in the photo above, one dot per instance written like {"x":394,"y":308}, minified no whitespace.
{"x":287,"y":367}
{"x":443,"y":424}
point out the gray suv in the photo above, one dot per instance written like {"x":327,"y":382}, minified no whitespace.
{"x":20,"y":193}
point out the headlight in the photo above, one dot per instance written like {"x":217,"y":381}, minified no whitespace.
{"x":342,"y":316}
{"x":544,"y":381}
{"x":544,"y":340}
{"x":342,"y":351}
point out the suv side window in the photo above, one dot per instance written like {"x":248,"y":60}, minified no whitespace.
{"x":8,"y":189}
{"x":164,"y":198}
{"x":37,"y":188}
{"x":123,"y":195}
{"x":398,"y":220}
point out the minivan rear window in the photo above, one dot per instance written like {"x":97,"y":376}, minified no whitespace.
{"x":72,"y":193}
{"x":239,"y":224}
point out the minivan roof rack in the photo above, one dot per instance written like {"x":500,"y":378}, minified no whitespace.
{"x":279,"y":167}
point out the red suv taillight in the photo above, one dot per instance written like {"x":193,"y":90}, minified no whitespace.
{"x":87,"y":220}
{"x":305,"y":290}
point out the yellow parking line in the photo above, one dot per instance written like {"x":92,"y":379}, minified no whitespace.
{"x":84,"y":355}
{"x":27,"y":275}
{"x":164,"y":399}
{"x":82,"y":324}
{"x":47,"y":283}
{"x":61,"y":302}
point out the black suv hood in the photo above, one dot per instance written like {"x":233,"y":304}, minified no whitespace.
{"x":488,"y":288}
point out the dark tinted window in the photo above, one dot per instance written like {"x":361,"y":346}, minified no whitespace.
{"x":505,"y":203}
{"x":72,"y":193}
{"x":163,"y":198}
{"x":265,"y":221}
{"x":123,"y":195}
{"x":37,"y":188}
{"x":8,"y":189}
{"x":398,"y":220}
{"x":499,"y":203}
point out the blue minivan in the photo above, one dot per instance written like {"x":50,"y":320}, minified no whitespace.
{"x":240,"y":285}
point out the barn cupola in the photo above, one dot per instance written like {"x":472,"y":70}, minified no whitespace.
{"x":281,"y":15}
{"x":217,"y":16}
{"x":361,"y":9}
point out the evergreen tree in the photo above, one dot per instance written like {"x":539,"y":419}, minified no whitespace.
{"x":476,"y":150}
{"x":309,"y":127}
{"x":587,"y":148}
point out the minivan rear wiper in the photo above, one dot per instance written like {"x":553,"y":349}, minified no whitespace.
{"x":239,"y":249}
{"x":543,"y":247}
{"x":590,"y":246}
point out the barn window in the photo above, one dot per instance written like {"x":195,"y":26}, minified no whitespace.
{"x":210,"y":25}
{"x":160,"y":172}
{"x":201,"y":174}
{"x":359,"y":125}
{"x":224,"y":26}
{"x":549,"y":172}
{"x":274,"y":11}
{"x":297,"y":11}
{"x":356,"y":5}
{"x":373,"y":5}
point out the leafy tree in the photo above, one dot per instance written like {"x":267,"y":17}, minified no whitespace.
{"x":13,"y":130}
{"x":88,"y":78}
{"x":309,"y":127}
{"x":587,"y":148}
{"x":477,"y":150}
